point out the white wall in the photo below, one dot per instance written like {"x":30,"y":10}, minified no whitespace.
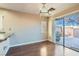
{"x":26,"y":27}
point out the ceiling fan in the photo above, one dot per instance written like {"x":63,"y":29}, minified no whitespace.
{"x":44,"y":10}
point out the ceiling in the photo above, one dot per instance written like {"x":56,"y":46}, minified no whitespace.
{"x":34,"y":8}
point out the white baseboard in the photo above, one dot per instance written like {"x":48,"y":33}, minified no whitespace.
{"x":27,"y":43}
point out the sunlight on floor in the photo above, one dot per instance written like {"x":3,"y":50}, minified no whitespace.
{"x":43,"y":51}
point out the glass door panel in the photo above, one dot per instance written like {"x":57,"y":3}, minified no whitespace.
{"x":67,"y":32}
{"x":72,"y":31}
{"x":59,"y":34}
{"x":59,"y":31}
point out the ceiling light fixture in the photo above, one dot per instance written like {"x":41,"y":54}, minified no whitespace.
{"x":44,"y":11}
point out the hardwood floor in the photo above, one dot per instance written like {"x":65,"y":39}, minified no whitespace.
{"x":37,"y":49}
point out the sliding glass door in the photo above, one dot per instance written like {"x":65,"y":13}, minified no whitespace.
{"x":67,"y":31}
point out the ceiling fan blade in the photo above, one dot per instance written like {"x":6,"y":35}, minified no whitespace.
{"x":51,"y":9}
